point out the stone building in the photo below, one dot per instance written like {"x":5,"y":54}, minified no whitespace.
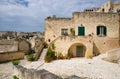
{"x":85,"y":34}
{"x":24,"y":46}
{"x":110,"y":6}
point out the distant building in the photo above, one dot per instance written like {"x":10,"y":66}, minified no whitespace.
{"x":109,"y":6}
{"x":24,"y":46}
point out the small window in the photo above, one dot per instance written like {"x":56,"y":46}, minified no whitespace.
{"x":64,"y":32}
{"x":101,"y":30}
{"x":48,"y":40}
{"x":103,"y":10}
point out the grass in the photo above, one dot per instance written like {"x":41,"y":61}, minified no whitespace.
{"x":15,"y":62}
{"x":15,"y":77}
{"x":30,"y":57}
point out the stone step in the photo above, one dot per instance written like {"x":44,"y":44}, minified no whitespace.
{"x":43,"y":54}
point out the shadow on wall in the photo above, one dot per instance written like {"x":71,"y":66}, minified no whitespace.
{"x":96,"y":51}
{"x":24,"y":73}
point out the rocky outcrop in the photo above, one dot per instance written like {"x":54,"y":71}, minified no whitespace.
{"x":23,"y":73}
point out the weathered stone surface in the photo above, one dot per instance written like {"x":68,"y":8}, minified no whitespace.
{"x":24,"y":73}
{"x":114,"y":55}
{"x":74,"y":77}
{"x":8,"y":56}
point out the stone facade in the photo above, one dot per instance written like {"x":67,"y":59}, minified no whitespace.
{"x":8,"y":46}
{"x":24,"y":46}
{"x":92,"y":33}
{"x":109,"y":6}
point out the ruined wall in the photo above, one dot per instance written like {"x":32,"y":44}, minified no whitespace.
{"x":8,"y":56}
{"x":8,"y":45}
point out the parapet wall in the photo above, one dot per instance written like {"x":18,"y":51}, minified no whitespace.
{"x":8,"y":46}
{"x":8,"y":56}
{"x":24,"y":73}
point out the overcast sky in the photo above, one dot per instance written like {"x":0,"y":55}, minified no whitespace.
{"x":29,"y":15}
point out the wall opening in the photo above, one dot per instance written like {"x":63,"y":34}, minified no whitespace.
{"x":64,"y":32}
{"x":77,"y":50}
{"x":101,"y":30}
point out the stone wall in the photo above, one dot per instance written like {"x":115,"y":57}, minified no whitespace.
{"x":90,"y":21}
{"x":8,"y":56}
{"x":8,"y":46}
{"x":24,"y":73}
{"x":114,"y":55}
{"x":104,"y":44}
{"x":64,"y":43}
{"x":24,"y":46}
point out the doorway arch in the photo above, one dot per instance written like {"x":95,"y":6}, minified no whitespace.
{"x":77,"y":50}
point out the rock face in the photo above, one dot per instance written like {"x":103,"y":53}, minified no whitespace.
{"x":24,"y":73}
{"x":114,"y":55}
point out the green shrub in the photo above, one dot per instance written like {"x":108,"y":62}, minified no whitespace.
{"x":72,"y":30}
{"x":15,"y":62}
{"x":45,"y":45}
{"x":67,"y":56}
{"x":15,"y":77}
{"x":60,"y":56}
{"x":50,"y":56}
{"x":30,"y":57}
{"x":53,"y":46}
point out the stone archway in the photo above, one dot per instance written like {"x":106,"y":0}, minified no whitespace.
{"x":77,"y":50}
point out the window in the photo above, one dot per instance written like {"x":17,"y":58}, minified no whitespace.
{"x":101,"y":30}
{"x":48,"y":40}
{"x":64,"y":32}
{"x":103,"y":10}
{"x":81,"y":31}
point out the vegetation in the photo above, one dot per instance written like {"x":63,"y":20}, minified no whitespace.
{"x":15,"y":77}
{"x":50,"y":56}
{"x":30,"y":57}
{"x":15,"y":62}
{"x":67,"y":56}
{"x":60,"y":56}
{"x":72,"y":30}
{"x":53,"y":46}
{"x":45,"y":45}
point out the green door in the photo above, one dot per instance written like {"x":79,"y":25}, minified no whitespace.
{"x":81,"y":31}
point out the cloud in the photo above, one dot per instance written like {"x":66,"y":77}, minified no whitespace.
{"x":29,"y":15}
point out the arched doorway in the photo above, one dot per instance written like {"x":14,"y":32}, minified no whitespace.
{"x":77,"y":50}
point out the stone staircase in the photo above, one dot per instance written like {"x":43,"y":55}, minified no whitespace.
{"x":43,"y":54}
{"x":39,"y":50}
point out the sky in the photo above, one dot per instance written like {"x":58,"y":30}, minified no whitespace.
{"x":29,"y":15}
